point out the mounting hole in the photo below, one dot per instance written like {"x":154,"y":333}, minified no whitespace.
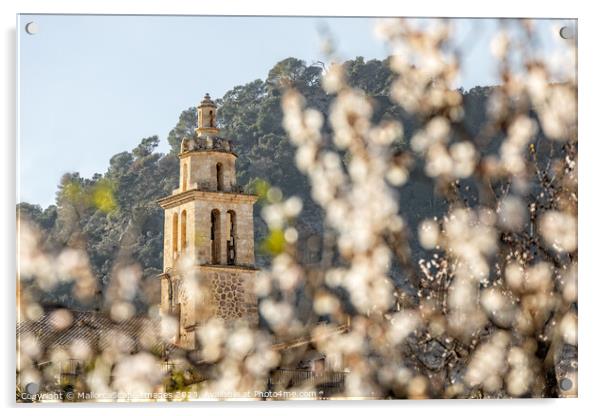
{"x":567,"y":32}
{"x":566,"y":384}
{"x":31,"y":28}
{"x":32,"y":388}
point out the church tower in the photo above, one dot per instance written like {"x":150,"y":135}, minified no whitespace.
{"x":208,"y":246}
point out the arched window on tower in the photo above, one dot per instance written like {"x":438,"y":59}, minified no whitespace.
{"x":184,"y":177}
{"x":174,"y":239}
{"x":215,"y":237}
{"x":183,"y":242}
{"x":219,"y":174}
{"x":231,"y":245}
{"x":173,"y":295}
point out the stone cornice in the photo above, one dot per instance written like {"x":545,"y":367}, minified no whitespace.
{"x":196,"y":194}
{"x":203,"y":151}
{"x":206,"y":130}
{"x":217,"y":267}
{"x":226,"y":267}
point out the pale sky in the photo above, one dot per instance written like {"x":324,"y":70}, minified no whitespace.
{"x":93,"y":86}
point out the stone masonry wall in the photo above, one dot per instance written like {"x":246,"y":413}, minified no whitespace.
{"x":201,"y":168}
{"x":233,"y":296}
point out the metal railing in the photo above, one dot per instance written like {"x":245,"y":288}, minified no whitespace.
{"x":167,"y":367}
{"x":284,"y":378}
{"x":70,"y":369}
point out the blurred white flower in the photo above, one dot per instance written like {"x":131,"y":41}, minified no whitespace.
{"x":559,"y":230}
{"x":499,"y":45}
{"x":464,"y":157}
{"x":137,"y":375}
{"x":428,"y":234}
{"x":568,"y":328}
{"x":520,"y":377}
{"x":512,"y":213}
{"x":488,"y":365}
{"x":402,"y":324}
{"x":61,"y":319}
{"x":333,"y":79}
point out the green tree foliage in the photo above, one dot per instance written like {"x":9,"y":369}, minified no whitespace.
{"x":115,"y":217}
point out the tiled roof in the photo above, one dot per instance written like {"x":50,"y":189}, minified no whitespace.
{"x":96,"y":329}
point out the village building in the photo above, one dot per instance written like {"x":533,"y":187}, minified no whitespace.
{"x":208,"y":272}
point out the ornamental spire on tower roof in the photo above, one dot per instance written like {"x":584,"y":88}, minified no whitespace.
{"x":207,"y":117}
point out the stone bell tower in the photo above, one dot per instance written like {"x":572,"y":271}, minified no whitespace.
{"x":208,"y":246}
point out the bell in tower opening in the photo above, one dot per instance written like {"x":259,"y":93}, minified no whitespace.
{"x":209,"y":259}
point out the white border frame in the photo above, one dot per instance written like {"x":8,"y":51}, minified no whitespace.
{"x":589,"y":224}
